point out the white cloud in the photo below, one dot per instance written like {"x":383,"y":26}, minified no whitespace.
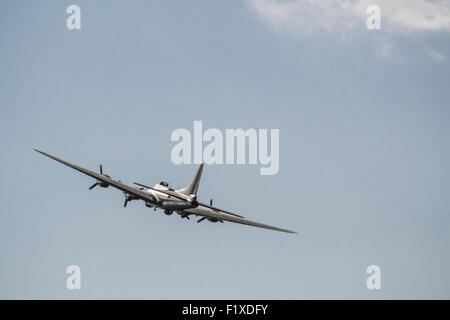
{"x":397,"y":16}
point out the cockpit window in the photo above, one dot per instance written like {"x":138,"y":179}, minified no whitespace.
{"x":164,"y":184}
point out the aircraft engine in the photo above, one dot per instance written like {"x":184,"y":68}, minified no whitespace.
{"x":210,"y":219}
{"x":100,"y":183}
{"x":129,"y":197}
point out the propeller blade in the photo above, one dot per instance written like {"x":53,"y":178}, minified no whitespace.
{"x":200,"y":220}
{"x":125,"y":203}
{"x":101,"y":169}
{"x":210,"y":202}
{"x":94,"y":185}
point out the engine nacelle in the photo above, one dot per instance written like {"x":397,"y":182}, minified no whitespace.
{"x":176,"y":205}
{"x":102,"y":183}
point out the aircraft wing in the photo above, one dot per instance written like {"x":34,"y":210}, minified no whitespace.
{"x":220,"y":216}
{"x":113,"y":183}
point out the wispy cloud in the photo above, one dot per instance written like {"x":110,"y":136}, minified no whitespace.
{"x":397,"y":15}
{"x":400,"y":19}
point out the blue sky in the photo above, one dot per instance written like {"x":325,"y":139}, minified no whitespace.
{"x":364,"y":154}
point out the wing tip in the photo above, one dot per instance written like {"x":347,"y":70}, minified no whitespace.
{"x":41,"y":152}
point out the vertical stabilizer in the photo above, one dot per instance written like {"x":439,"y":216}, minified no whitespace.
{"x":192,"y":187}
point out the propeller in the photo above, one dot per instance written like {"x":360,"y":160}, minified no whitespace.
{"x":93,"y":186}
{"x":129,"y":197}
{"x":211,"y":219}
{"x":100,"y":183}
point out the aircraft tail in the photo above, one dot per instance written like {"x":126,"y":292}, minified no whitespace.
{"x":192,"y":187}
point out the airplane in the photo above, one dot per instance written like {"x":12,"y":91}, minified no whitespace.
{"x":161,"y":196}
